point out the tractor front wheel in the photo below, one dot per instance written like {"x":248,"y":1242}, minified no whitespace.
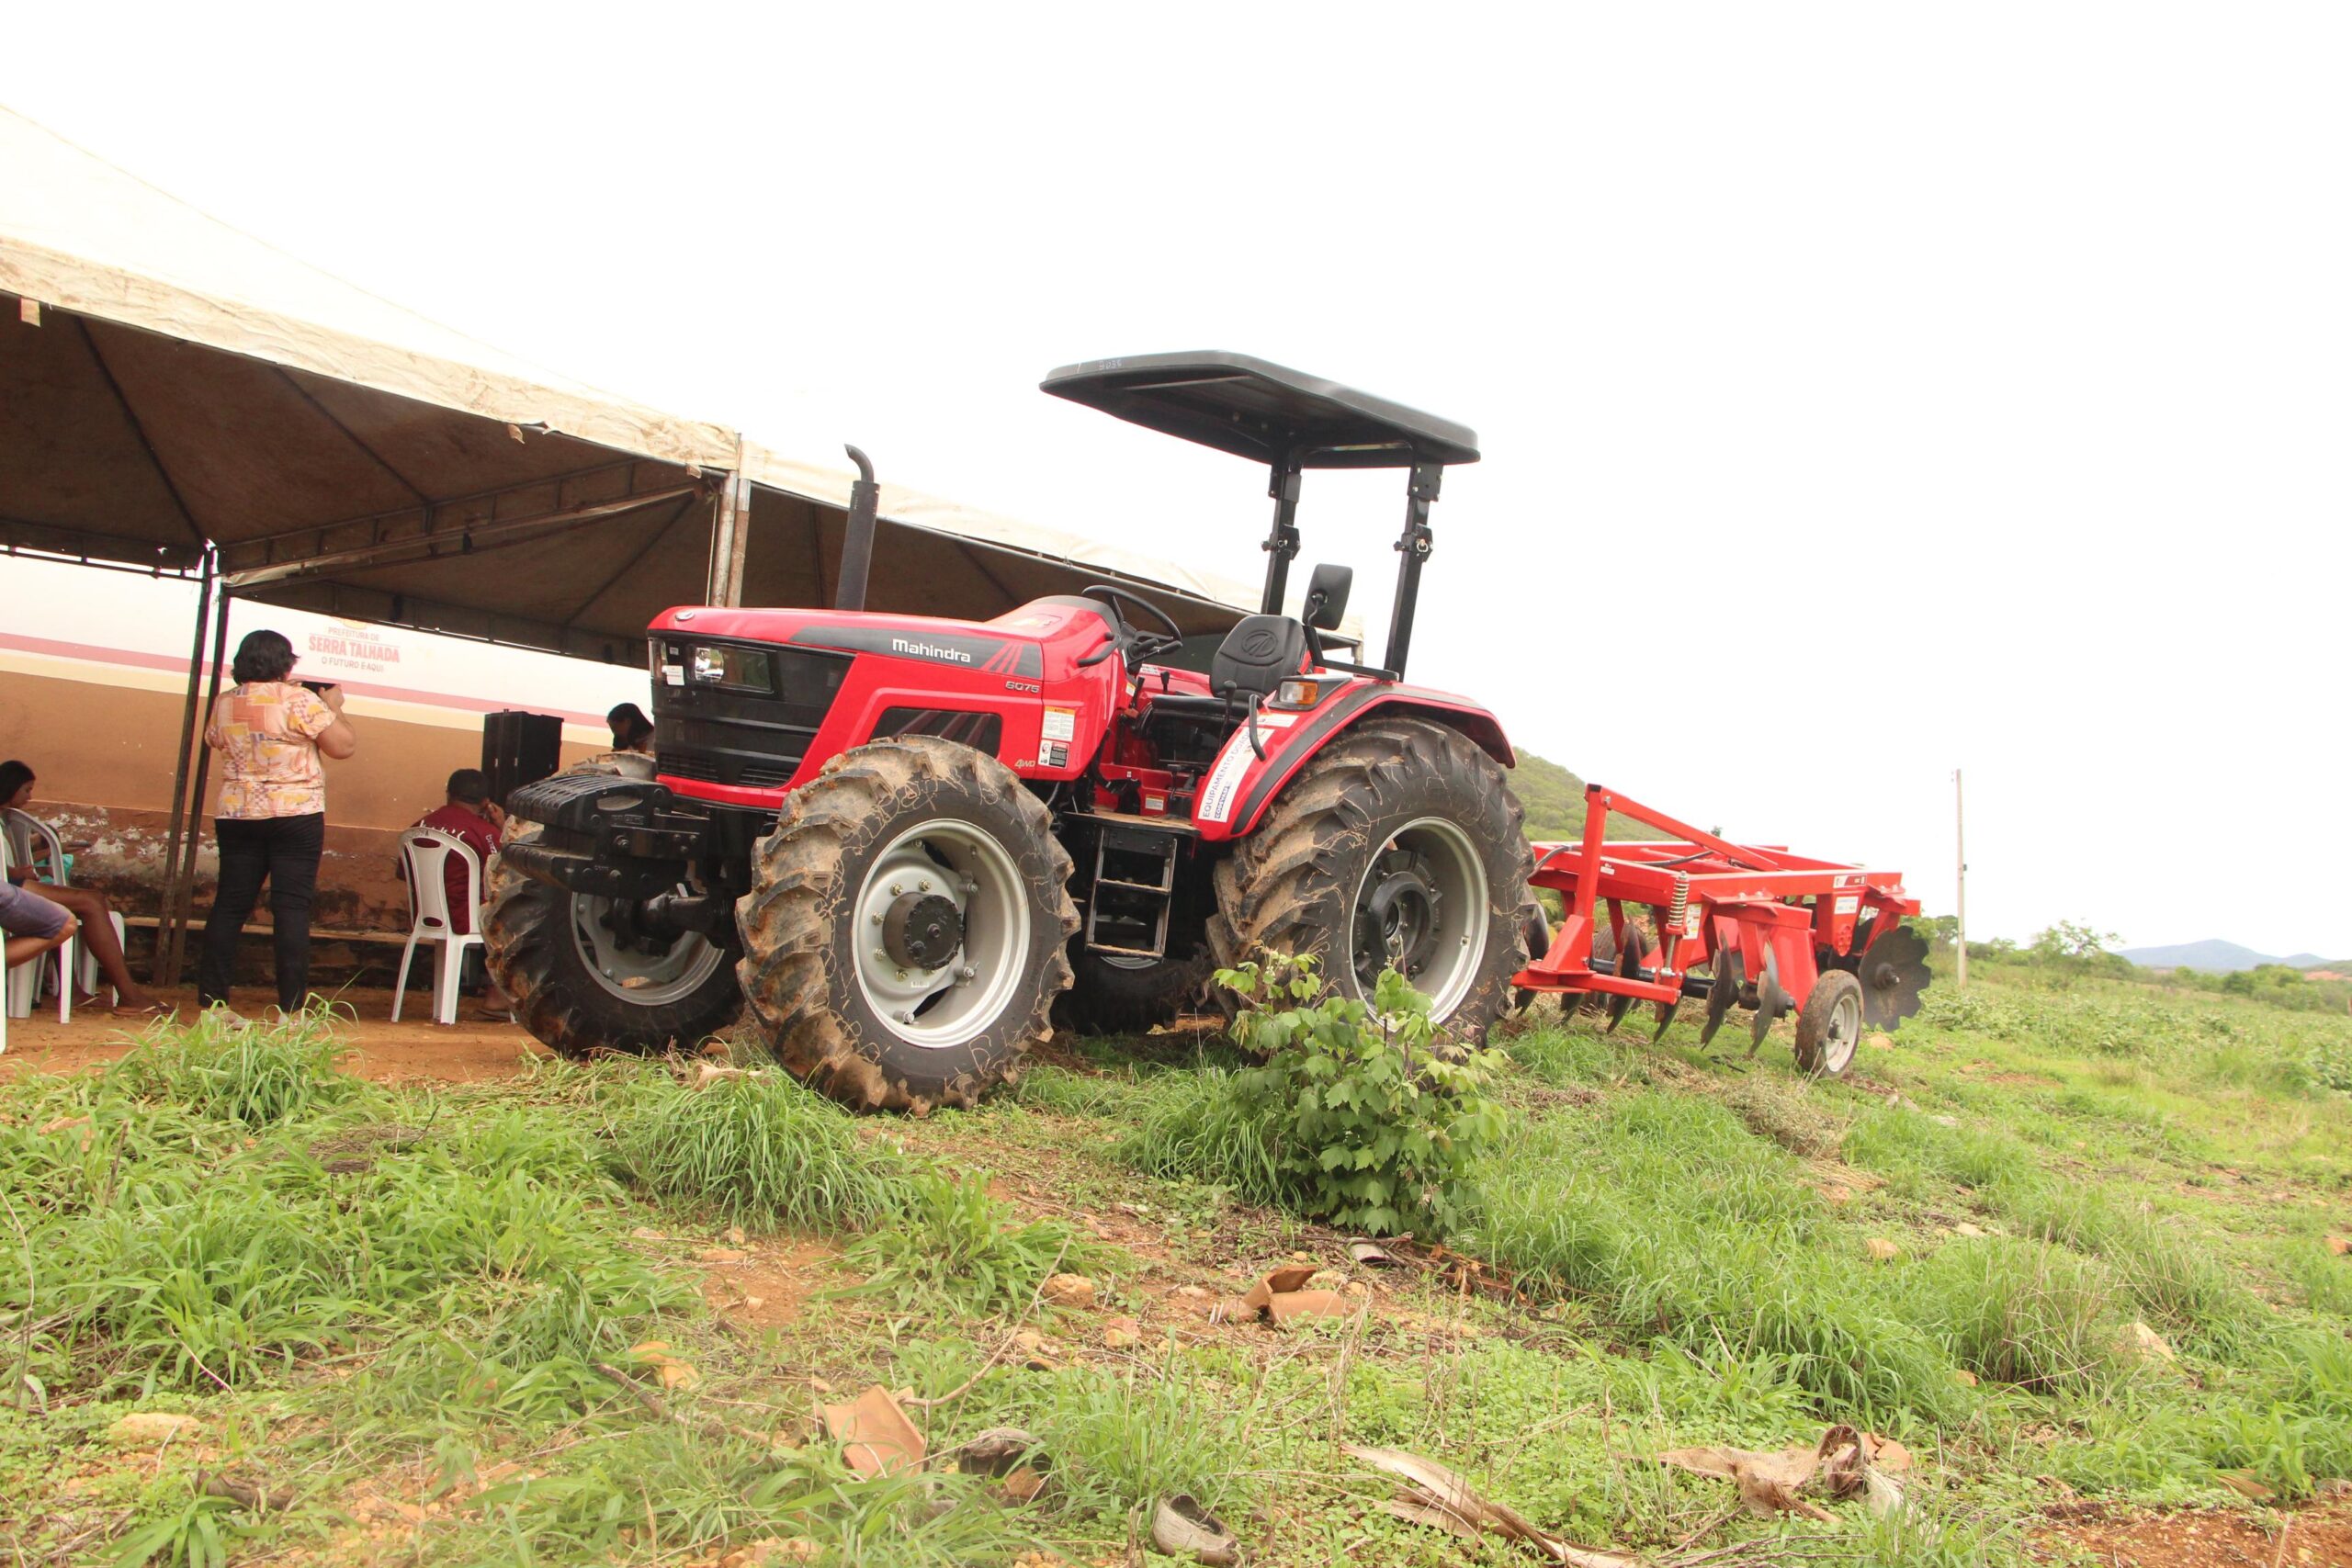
{"x":904,"y":936}
{"x":584,"y":978}
{"x":1399,"y":845}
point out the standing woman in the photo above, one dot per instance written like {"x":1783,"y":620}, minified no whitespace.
{"x":271,"y":824}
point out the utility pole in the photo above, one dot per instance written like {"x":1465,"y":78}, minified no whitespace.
{"x":1960,"y":850}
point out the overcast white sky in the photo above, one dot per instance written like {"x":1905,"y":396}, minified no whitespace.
{"x":1866,"y":390}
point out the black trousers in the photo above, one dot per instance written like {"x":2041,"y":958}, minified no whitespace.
{"x":283,"y":852}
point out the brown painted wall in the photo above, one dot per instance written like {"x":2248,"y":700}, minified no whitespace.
{"x":103,"y":757}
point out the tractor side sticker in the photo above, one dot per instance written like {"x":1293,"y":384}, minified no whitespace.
{"x":1224,"y":784}
{"x":1061,"y":724}
{"x":994,"y":655}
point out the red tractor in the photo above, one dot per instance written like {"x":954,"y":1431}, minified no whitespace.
{"x":900,"y":839}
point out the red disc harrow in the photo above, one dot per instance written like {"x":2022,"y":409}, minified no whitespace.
{"x":1774,"y":932}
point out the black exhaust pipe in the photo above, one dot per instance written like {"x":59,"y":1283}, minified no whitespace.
{"x":857,"y":540}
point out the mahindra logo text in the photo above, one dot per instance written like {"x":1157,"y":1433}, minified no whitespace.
{"x":929,"y":650}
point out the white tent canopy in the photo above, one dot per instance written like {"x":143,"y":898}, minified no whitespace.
{"x":176,"y":397}
{"x":169,"y":385}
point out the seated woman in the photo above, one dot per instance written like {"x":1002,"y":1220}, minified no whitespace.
{"x":31,"y":926}
{"x":85,"y":904}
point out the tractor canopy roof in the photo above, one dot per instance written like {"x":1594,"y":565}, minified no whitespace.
{"x":1252,"y":409}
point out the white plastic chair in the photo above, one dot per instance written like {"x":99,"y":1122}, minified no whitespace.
{"x":425,"y":851}
{"x":26,"y":980}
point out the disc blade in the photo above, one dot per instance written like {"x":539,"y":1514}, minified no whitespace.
{"x":1666,"y":1011}
{"x":1629,"y":967}
{"x":1770,"y":1003}
{"x":1894,"y":975}
{"x":1604,"y":947}
{"x":1723,"y":990}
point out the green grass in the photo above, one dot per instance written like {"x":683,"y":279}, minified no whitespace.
{"x":951,"y":1241}
{"x":758,"y":1149}
{"x":233,"y":1073}
{"x":429,"y":1297}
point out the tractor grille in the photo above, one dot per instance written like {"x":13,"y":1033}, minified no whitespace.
{"x":735,"y":734}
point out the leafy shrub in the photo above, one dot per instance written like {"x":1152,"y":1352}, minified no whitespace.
{"x":1354,"y":1115}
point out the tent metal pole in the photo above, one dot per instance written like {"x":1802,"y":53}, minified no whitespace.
{"x":730,"y":527}
{"x":189,"y":840}
{"x":179,"y":769}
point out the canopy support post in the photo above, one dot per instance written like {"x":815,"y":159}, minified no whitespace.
{"x":175,"y":918}
{"x":188,"y":738}
{"x":730,"y":531}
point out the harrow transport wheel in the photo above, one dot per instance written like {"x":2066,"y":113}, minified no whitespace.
{"x":1830,"y":1024}
{"x":905,"y":934}
{"x":1398,"y":843}
{"x":583,"y":978}
{"x":1114,"y":994}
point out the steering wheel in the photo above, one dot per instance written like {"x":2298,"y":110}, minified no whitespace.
{"x":1136,"y":645}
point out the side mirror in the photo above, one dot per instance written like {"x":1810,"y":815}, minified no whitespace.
{"x":1326,"y":596}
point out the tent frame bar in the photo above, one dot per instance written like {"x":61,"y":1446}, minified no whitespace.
{"x":425,"y":516}
{"x":464,"y":536}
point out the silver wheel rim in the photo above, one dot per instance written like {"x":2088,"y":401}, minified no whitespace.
{"x":642,"y":980}
{"x":1841,"y":1033}
{"x":946,"y":1006}
{"x":1461,"y":922}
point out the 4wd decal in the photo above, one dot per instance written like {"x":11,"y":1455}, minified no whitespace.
{"x":994,"y":655}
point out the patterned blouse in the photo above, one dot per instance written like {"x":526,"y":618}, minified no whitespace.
{"x":266,"y":733}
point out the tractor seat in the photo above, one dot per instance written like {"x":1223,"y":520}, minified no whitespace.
{"x":1259,"y":654}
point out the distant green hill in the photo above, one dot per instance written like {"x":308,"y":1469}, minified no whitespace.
{"x":1554,"y":801}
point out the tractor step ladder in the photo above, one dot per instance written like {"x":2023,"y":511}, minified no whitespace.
{"x":1135,"y":881}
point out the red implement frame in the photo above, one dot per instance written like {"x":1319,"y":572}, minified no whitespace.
{"x":1705,"y":894}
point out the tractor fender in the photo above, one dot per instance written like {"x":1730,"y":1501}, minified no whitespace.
{"x":1240,"y":785}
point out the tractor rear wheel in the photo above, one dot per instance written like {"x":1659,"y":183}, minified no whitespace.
{"x":905,"y":933}
{"x":583,"y":978}
{"x":1399,"y":843}
{"x":1829,"y":1025}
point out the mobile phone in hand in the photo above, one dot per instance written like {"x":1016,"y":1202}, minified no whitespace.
{"x":320,"y":688}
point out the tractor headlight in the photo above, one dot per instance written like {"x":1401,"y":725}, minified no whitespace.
{"x":737,"y":669}
{"x":1297,"y":694}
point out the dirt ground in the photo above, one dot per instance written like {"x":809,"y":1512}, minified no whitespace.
{"x":2318,"y":1536}
{"x":414,"y":1048}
